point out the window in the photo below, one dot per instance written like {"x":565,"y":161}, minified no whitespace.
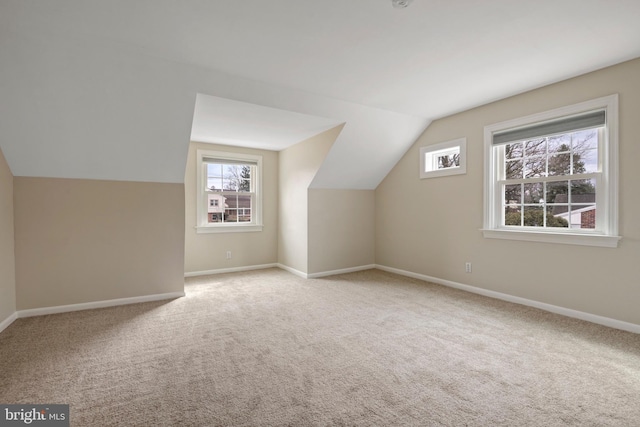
{"x":552,"y":177}
{"x":446,"y":158}
{"x":229,"y":196}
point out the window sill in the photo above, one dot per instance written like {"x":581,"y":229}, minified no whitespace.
{"x":454,"y":170}
{"x":205,"y":229}
{"x":549,"y":237}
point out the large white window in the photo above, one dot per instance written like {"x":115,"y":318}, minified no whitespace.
{"x":229,"y":192}
{"x":552,"y":177}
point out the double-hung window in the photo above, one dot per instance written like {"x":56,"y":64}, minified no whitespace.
{"x":552,"y":177}
{"x":229,"y":192}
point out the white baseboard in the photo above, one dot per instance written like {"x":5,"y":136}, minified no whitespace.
{"x":601,"y":320}
{"x":9,"y":320}
{"x":593,"y":318}
{"x":340,"y":271}
{"x":293,"y":271}
{"x":325,"y":273}
{"x":230,"y":270}
{"x":97,"y":304}
{"x":283,"y":267}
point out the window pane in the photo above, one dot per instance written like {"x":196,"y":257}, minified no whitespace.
{"x":215,"y":217}
{"x":245,"y":178}
{"x":559,"y":143}
{"x":512,"y":215}
{"x":512,"y":194}
{"x":585,"y":162}
{"x":533,"y":216}
{"x":535,"y":147}
{"x":231,"y":177}
{"x":513,"y":151}
{"x":556,"y":216}
{"x":587,"y":216}
{"x":583,"y":208}
{"x":582,"y":216}
{"x":557,"y":192}
{"x":560,"y":164}
{"x":513,"y":169}
{"x":448,"y":161}
{"x":534,"y":167}
{"x":244,"y":215}
{"x":214,"y":177}
{"x":231,"y":215}
{"x":583,"y":191}
{"x":584,"y":140}
{"x":533,"y":193}
{"x":244,"y":208}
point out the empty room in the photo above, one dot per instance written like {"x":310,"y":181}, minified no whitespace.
{"x":319,"y":213}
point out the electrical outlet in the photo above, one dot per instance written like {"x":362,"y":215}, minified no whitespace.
{"x":228,"y":254}
{"x":467,"y":267}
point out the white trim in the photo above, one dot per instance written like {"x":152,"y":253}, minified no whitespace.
{"x":340,"y":271}
{"x":550,"y":237}
{"x":8,"y":321}
{"x":609,"y":172}
{"x":227,"y":228}
{"x":601,"y":320}
{"x":229,"y":270}
{"x":293,"y":271}
{"x":593,"y":318}
{"x":325,"y":273}
{"x":97,"y":304}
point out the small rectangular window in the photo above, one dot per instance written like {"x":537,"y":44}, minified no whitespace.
{"x":447,"y":158}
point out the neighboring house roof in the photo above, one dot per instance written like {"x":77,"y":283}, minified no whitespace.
{"x":239,"y":202}
{"x":588,"y":198}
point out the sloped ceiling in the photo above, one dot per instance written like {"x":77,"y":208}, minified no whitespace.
{"x":108,"y":89}
{"x":224,"y":121}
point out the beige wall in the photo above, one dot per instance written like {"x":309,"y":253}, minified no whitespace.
{"x":432,"y":226}
{"x":81,"y":240}
{"x":298,"y":165}
{"x":204,"y":252}
{"x":341,"y":229}
{"x":7,"y":258}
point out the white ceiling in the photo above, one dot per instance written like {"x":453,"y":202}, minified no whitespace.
{"x":352,"y":61}
{"x":225,"y":121}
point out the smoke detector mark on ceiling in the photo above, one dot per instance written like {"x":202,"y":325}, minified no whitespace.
{"x":401,"y":4}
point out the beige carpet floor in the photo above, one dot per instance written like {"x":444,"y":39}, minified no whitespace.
{"x":363,"y":349}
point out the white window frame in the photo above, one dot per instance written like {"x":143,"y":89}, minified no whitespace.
{"x":202,"y":224}
{"x":607,"y":194}
{"x":429,"y":158}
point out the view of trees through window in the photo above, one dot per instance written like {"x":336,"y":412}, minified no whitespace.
{"x":448,"y":160}
{"x":551,"y":181}
{"x":232,"y":185}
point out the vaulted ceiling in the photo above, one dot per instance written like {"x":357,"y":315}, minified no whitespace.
{"x":107,"y":89}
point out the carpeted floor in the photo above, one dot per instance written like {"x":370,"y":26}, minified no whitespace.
{"x":368,"y":348}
